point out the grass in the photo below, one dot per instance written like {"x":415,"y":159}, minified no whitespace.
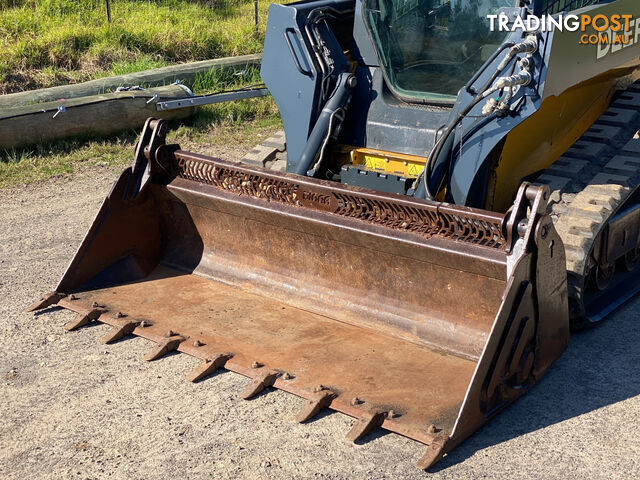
{"x":235,"y":113}
{"x":237,"y":125}
{"x":50,"y":42}
{"x":65,"y":158}
{"x":20,"y":167}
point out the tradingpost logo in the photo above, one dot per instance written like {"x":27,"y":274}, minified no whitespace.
{"x":610,"y":33}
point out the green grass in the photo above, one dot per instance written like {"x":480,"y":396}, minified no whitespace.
{"x":50,"y":42}
{"x":140,"y":63}
{"x":24,"y":166}
{"x":233,"y":114}
{"x":218,"y":79}
{"x":237,"y":125}
{"x":65,"y":158}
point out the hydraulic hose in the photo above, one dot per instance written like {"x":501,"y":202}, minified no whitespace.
{"x":492,"y":58}
{"x":528,"y":46}
{"x":338,"y":99}
{"x":524,"y":77}
{"x":423,"y":190}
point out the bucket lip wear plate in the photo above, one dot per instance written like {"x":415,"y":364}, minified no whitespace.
{"x":365,"y":371}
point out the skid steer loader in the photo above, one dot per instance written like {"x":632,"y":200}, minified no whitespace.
{"x":454,"y":198}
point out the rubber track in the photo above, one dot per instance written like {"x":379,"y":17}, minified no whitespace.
{"x":271,"y":154}
{"x":590,"y":182}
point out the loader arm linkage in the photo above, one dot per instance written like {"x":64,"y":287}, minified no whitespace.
{"x":418,"y":317}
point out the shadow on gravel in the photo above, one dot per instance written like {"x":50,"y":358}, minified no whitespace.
{"x":54,"y":308}
{"x":599,"y":368}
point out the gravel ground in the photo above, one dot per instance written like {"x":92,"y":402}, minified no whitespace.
{"x":73,"y":408}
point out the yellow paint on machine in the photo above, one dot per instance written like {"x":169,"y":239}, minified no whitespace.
{"x":541,"y":139}
{"x":388,"y":162}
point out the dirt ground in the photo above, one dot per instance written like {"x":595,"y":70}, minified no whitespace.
{"x":73,"y":408}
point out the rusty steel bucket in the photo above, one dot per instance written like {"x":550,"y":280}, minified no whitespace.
{"x":424,"y":319}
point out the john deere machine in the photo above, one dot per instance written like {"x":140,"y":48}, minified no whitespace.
{"x":455,"y":198}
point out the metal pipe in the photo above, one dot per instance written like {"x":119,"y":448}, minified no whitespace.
{"x":213,"y":98}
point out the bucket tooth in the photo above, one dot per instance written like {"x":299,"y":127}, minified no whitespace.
{"x":434,"y":452}
{"x":208,"y":366}
{"x":47,"y":300}
{"x":258,"y":384}
{"x":316,"y":403}
{"x":365,"y":424}
{"x":83,"y":319}
{"x":166,"y":346}
{"x":119,"y":331}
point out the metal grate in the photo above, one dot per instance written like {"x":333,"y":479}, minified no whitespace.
{"x":551,"y":7}
{"x":457,"y":223}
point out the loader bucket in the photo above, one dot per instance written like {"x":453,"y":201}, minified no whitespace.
{"x":424,"y":319}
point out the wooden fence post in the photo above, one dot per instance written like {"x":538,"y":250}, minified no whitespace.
{"x":255,"y":13}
